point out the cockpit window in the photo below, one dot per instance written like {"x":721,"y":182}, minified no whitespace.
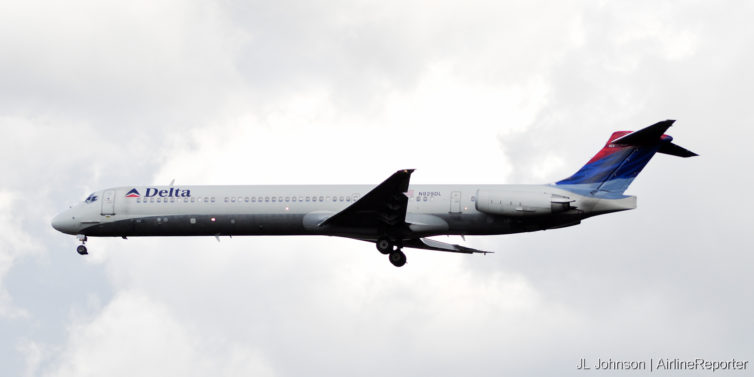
{"x":90,"y":199}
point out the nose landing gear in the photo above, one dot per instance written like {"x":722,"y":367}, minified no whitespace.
{"x":81,"y":249}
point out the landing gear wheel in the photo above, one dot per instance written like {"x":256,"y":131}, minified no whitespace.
{"x":384,"y":245}
{"x":81,"y":249}
{"x":397,"y":258}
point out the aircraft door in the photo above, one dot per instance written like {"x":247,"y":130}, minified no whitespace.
{"x":455,"y":202}
{"x":108,"y":202}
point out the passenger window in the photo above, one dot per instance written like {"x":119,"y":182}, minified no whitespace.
{"x":266,"y":198}
{"x":321,"y":198}
{"x":185,"y":200}
{"x":192,"y":200}
{"x":212,"y":199}
{"x":293,"y":198}
{"x":159,"y":200}
{"x":287,"y":199}
{"x":233,"y":199}
{"x":274,"y":199}
{"x":348,"y":198}
{"x":280,"y":199}
{"x":138,"y":200}
{"x":206,"y":199}
{"x":246,"y":199}
{"x":341,"y":198}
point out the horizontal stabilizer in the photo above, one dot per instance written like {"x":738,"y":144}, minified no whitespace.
{"x":675,"y":150}
{"x":429,"y":244}
{"x":647,"y":135}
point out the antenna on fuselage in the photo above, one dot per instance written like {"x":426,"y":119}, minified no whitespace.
{"x":171,"y":182}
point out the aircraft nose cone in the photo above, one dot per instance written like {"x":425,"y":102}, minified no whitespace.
{"x":63,"y":223}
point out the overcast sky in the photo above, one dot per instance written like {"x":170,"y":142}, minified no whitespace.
{"x":95,"y":94}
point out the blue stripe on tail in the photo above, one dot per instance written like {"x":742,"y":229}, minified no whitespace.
{"x":614,"y":167}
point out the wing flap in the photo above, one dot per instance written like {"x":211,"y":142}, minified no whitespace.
{"x":430,"y":244}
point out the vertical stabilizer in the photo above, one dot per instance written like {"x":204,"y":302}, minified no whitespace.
{"x":614,"y":167}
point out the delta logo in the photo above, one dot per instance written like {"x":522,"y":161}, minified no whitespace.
{"x":151,"y":192}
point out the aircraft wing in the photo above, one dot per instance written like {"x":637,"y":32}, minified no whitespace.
{"x":429,"y":244}
{"x":384,"y":206}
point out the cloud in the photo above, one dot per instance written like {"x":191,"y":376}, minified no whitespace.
{"x":14,"y":242}
{"x":136,"y":335}
{"x":97,"y":95}
{"x":145,"y":61}
{"x":337,"y":314}
{"x":309,"y":139}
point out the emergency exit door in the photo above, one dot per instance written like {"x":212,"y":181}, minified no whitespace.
{"x":108,"y":202}
{"x":455,"y":202}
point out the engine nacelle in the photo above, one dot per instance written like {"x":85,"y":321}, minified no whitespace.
{"x":521,"y":203}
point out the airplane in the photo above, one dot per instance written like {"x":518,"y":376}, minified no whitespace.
{"x":394,"y":214}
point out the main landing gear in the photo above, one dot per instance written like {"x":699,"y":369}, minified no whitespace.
{"x":81,"y":249}
{"x":395,"y":255}
{"x":397,"y":258}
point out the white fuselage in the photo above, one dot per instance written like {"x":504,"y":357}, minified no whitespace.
{"x":300,"y":209}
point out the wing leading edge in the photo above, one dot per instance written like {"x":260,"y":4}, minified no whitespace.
{"x":383,"y":207}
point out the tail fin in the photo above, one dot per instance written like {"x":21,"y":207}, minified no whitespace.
{"x":613,"y":168}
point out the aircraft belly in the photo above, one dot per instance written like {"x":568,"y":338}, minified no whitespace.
{"x":476,"y":224}
{"x":483,"y":224}
{"x":202,"y":225}
{"x":298,"y":224}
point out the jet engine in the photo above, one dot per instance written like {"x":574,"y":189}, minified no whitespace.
{"x":521,"y":203}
